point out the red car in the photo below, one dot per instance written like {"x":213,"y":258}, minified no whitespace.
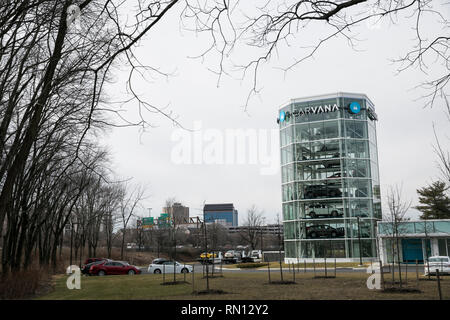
{"x":90,"y":260}
{"x":113,"y":267}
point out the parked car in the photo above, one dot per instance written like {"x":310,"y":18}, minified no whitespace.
{"x":159,"y":261}
{"x":168,"y":267}
{"x":86,"y":268}
{"x":229,"y":254}
{"x":256,"y":255}
{"x":90,"y":260}
{"x":334,"y":176}
{"x":208,"y":255}
{"x":330,"y":147}
{"x":359,"y":211}
{"x":442,"y":263}
{"x":211,"y":257}
{"x":322,"y":190}
{"x":335,"y":163}
{"x":323,"y":230}
{"x":113,"y":267}
{"x":320,"y":210}
{"x":131,"y":245}
{"x":232,"y":256}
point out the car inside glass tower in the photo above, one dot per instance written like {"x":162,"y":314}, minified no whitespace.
{"x":330,"y":182}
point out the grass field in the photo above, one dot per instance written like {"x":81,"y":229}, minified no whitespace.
{"x":242,"y":286}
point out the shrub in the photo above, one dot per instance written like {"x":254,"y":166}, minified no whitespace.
{"x":23,"y":284}
{"x":251,"y":265}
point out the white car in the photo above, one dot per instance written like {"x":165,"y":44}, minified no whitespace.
{"x":442,"y":263}
{"x":256,"y":254}
{"x":229,"y":254}
{"x":317,"y":210}
{"x":167,"y":266}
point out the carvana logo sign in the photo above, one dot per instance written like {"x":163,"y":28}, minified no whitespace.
{"x":282,"y":116}
{"x":355,"y":107}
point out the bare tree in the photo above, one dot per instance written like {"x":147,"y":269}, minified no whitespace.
{"x":130,"y":199}
{"x":252,"y":226}
{"x":53,"y":78}
{"x":280,"y":246}
{"x":442,"y":153}
{"x":271,"y":26}
{"x":217,"y":236}
{"x":398,"y":208}
{"x":160,"y":237}
{"x":111,"y":217}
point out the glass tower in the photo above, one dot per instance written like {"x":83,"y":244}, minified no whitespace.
{"x":330,"y":181}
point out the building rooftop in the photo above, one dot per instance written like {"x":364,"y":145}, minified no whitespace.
{"x":415,"y":227}
{"x":329,"y":96}
{"x":219,"y":207}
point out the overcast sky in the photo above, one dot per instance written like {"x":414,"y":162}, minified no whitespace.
{"x":405,"y":132}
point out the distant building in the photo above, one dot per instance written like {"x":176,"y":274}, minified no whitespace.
{"x":224,"y":214}
{"x":417,"y":240}
{"x":178,"y":213}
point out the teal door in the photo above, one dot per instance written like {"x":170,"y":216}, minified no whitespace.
{"x":412,"y":250}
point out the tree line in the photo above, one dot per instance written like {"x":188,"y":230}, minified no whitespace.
{"x":53,"y":171}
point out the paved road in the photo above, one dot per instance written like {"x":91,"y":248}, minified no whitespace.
{"x":198,"y":268}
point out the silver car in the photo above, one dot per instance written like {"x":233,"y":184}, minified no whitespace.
{"x":317,"y":210}
{"x":167,"y":266}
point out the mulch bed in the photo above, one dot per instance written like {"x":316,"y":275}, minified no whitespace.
{"x":401,"y":290}
{"x":210,"y":291}
{"x":282,"y":282}
{"x":173,"y":283}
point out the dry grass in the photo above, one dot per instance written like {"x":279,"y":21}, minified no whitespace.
{"x":37,"y":280}
{"x":243,"y":286}
{"x":25,"y":284}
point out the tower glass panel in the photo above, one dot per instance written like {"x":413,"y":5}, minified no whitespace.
{"x":330,"y":181}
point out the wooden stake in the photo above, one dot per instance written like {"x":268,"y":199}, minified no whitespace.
{"x":193,"y":287}
{"x":439,"y":284}
{"x":293,"y":269}
{"x":314,"y":266}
